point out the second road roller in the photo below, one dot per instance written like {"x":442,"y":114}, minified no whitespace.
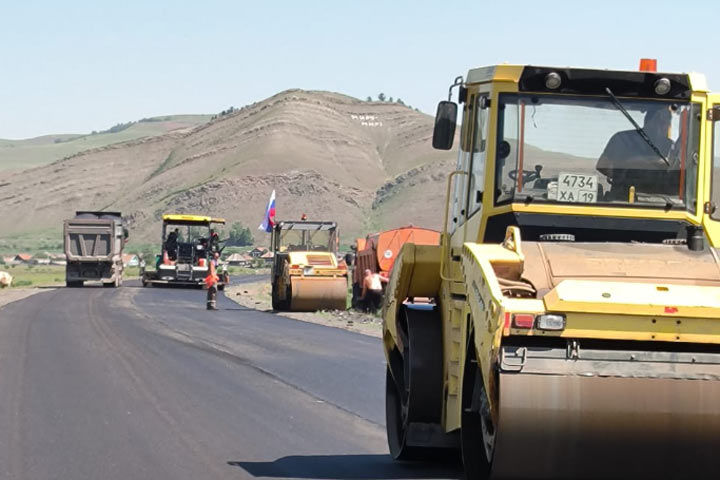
{"x":306,"y":274}
{"x":574,"y":324}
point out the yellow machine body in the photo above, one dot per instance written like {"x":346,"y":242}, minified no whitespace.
{"x":573,"y":340}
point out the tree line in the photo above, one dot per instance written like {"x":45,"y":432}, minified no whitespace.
{"x":384,"y":98}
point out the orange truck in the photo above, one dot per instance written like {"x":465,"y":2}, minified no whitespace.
{"x":377,"y":252}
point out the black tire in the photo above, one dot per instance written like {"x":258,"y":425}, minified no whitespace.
{"x":109,"y":284}
{"x":475,"y":429}
{"x":414,"y":383}
{"x":394,"y":421}
{"x":73,"y":283}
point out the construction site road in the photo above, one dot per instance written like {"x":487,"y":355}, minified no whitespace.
{"x":144,"y":383}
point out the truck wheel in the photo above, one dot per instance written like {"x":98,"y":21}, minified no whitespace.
{"x":477,"y":432}
{"x":414,"y":387}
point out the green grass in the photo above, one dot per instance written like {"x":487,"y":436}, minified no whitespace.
{"x":47,"y":275}
{"x":36,"y":275}
{"x":34,"y":152}
{"x":49,"y":240}
{"x":131,"y":272}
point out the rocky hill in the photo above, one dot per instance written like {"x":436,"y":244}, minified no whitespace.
{"x":367,"y":165}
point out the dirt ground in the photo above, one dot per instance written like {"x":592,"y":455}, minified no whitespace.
{"x":9,"y":295}
{"x":256,"y":295}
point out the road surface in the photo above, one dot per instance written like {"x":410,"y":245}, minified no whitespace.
{"x":143,"y":383}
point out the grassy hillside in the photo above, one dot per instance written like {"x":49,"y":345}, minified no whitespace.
{"x":34,"y":152}
{"x":365,"y":165}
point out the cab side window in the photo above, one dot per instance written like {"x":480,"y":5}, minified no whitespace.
{"x":460,"y":183}
{"x":479,"y":146}
{"x":715,"y":176}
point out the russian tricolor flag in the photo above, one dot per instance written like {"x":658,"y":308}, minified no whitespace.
{"x":269,"y":220}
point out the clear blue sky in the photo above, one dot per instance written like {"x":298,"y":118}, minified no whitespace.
{"x":77,"y":66}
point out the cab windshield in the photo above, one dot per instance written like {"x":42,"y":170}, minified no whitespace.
{"x":184,"y":233}
{"x":295,"y":238}
{"x":568,"y":149}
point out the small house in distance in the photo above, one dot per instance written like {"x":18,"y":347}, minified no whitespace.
{"x":130,"y":260}
{"x":25,"y":258}
{"x":267,"y":257}
{"x":57,"y":259}
{"x":258,"y":252}
{"x":239,"y":260}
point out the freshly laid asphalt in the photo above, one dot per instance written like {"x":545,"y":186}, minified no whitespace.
{"x":144,"y":383}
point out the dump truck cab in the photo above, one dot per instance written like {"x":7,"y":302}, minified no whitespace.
{"x":189,"y":243}
{"x":577,"y":287}
{"x":306,"y":274}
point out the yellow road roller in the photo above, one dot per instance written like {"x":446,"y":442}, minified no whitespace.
{"x":573,"y":330}
{"x":306,"y":274}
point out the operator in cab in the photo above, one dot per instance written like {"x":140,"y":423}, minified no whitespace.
{"x":171,"y":245}
{"x":629,"y":160}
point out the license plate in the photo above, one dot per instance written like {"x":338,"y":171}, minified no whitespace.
{"x":577,"y":188}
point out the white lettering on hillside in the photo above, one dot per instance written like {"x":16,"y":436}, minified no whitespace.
{"x":367,"y":120}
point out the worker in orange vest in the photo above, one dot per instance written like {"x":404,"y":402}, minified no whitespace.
{"x":211,"y":282}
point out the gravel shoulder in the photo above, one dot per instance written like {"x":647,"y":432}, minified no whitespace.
{"x":9,"y":295}
{"x":256,"y":295}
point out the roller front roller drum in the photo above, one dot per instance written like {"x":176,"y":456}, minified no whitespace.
{"x":309,"y":294}
{"x":655,"y":417}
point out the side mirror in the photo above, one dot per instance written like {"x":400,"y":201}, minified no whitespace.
{"x":444,"y":132}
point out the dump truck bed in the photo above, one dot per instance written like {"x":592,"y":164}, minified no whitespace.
{"x":91,"y":240}
{"x":93,"y":243}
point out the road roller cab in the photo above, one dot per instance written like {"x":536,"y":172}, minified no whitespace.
{"x":575,"y":331}
{"x":306,"y":274}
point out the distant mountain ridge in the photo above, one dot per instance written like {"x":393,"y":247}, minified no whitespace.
{"x":366,"y":165}
{"x":38,"y":151}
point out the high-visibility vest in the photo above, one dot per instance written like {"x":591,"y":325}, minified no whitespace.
{"x":212,"y":277}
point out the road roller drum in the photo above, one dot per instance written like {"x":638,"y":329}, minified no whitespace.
{"x":642,"y":415}
{"x":309,"y":294}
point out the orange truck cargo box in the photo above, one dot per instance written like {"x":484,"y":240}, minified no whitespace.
{"x":377,"y":252}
